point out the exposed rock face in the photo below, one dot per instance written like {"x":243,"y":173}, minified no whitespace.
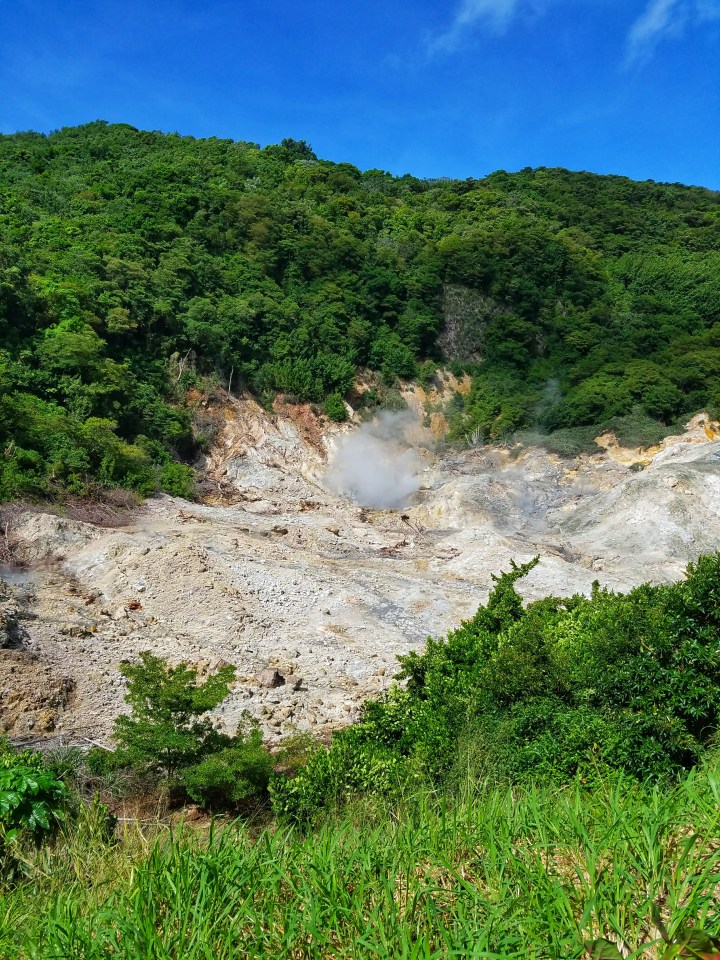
{"x":44,"y":536}
{"x":311,"y":597}
{"x":466,"y":314}
{"x":12,"y":634}
{"x":32,"y":698}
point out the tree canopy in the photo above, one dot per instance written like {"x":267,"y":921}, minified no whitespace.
{"x":131,"y":261}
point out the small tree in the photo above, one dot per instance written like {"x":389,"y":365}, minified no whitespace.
{"x":167,"y":728}
{"x":232,"y":776}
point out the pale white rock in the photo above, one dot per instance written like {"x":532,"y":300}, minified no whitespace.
{"x":336,"y":611}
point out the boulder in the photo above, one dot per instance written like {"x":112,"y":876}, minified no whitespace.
{"x":271,"y":678}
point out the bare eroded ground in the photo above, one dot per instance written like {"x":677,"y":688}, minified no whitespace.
{"x":276,"y":573}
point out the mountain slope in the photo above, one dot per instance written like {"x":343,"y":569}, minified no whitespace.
{"x":133,"y":264}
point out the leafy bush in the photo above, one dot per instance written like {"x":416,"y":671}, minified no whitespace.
{"x":569,"y":442}
{"x":335,"y":408}
{"x":169,"y":734}
{"x":32,"y":798}
{"x":177,"y":480}
{"x":392,"y":357}
{"x":426,"y":374}
{"x":637,"y":429}
{"x":499,"y":403}
{"x":562,"y":688}
{"x":231,"y":776}
{"x":31,"y":802}
{"x":10,"y":757}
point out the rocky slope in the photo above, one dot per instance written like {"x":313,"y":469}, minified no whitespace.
{"x":312,"y":596}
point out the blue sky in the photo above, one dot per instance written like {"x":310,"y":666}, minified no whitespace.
{"x":458,"y":88}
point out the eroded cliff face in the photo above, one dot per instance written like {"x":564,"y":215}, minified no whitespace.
{"x":310,"y":595}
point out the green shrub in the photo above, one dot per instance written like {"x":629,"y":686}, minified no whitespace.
{"x":10,"y":757}
{"x":31,"y":802}
{"x":335,"y":408}
{"x":349,"y":767}
{"x":32,"y":798}
{"x":393,"y":358}
{"x":178,"y":480}
{"x":231,"y":776}
{"x":369,"y":400}
{"x":569,"y":442}
{"x":495,"y":408}
{"x":551,"y":691}
{"x":392,"y":399}
{"x":637,"y":429}
{"x":426,"y":374}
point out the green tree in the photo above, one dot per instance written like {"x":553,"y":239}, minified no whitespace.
{"x":122,"y":248}
{"x":168,"y":727}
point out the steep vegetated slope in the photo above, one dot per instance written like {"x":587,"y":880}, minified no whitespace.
{"x":132,"y":263}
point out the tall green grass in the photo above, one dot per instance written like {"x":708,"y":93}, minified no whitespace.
{"x":494,"y":873}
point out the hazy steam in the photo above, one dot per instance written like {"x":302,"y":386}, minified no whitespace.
{"x":375,"y":465}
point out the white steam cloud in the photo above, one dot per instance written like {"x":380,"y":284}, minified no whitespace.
{"x":376,"y":465}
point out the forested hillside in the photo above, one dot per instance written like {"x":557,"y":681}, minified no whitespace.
{"x":132,"y":263}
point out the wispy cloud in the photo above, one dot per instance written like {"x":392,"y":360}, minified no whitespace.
{"x":660,"y":20}
{"x":666,"y":19}
{"x":495,"y":15}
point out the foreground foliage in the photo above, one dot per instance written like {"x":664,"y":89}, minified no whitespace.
{"x":169,"y":733}
{"x":528,"y":872}
{"x":559,"y":689}
{"x":33,"y":801}
{"x":525,"y":795}
{"x":134,"y":263}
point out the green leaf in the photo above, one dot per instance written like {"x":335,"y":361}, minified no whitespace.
{"x":696,"y":943}
{"x":602,"y":949}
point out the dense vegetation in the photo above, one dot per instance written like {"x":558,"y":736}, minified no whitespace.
{"x":545,"y":784}
{"x":530,"y":873}
{"x":133,"y":263}
{"x":578,"y":688}
{"x":559,"y":690}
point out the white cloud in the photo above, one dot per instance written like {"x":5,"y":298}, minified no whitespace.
{"x":665,"y":19}
{"x":659,"y":21}
{"x":494,"y":14}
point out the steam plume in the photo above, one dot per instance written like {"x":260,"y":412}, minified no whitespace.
{"x":375,"y":465}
